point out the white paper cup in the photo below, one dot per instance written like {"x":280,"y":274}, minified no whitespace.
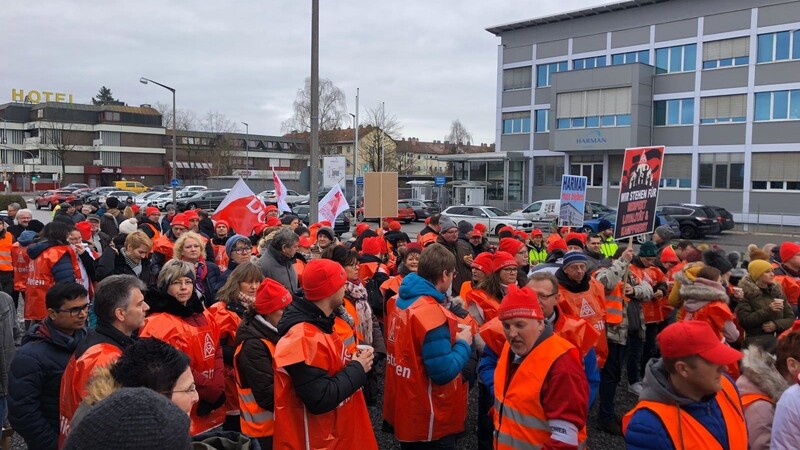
{"x":463,"y":326}
{"x":362,"y":347}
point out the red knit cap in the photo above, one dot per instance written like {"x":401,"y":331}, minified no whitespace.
{"x":668,"y":255}
{"x":151,"y":210}
{"x":536,"y":232}
{"x":394,"y":225}
{"x":305,"y":242}
{"x":222,"y":222}
{"x":474,"y":233}
{"x":788,"y":250}
{"x":482,"y":262}
{"x":273,"y":222}
{"x":325,"y":223}
{"x":271,"y":208}
{"x":180,"y":220}
{"x":373,"y":246}
{"x":322,"y":278}
{"x":574,"y":235}
{"x":502,"y":259}
{"x":479,"y":227}
{"x":271,"y":296}
{"x":557,"y":244}
{"x":362,"y":227}
{"x":191,"y":214}
{"x":510,"y":245}
{"x":85,"y":228}
{"x":135,"y":208}
{"x":520,"y":303}
{"x":508,"y":228}
{"x":521,"y":234}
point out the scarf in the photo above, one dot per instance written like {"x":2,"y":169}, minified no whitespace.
{"x":200,"y":270}
{"x":357,"y":293}
{"x":342,"y":313}
{"x":246,"y":300}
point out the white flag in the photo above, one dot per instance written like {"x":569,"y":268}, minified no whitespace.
{"x":241,"y":208}
{"x":280,"y":193}
{"x":332,"y":204}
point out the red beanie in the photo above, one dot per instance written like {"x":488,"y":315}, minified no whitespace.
{"x":510,"y":245}
{"x":191,"y":214}
{"x":788,"y":250}
{"x":135,"y":208}
{"x":479,"y":227}
{"x":536,"y":232}
{"x":271,"y":296}
{"x":305,"y":242}
{"x":482,"y":262}
{"x":258,"y":228}
{"x":362,"y":227}
{"x":152,"y":210}
{"x":394,"y":225}
{"x":373,"y":246}
{"x":574,"y":235}
{"x":520,"y":303}
{"x":273,"y":222}
{"x":502,"y":260}
{"x":325,"y":223}
{"x":668,"y":255}
{"x":180,"y":220}
{"x":322,"y":278}
{"x":271,"y":208}
{"x":557,"y":243}
{"x":222,"y":222}
{"x":508,"y":228}
{"x":86,"y":230}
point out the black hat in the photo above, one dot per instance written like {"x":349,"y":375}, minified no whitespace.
{"x":288,"y":219}
{"x":718,"y":260}
{"x":112,"y":202}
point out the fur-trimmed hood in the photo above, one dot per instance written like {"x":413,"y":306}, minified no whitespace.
{"x":700,"y":292}
{"x":758,"y":370}
{"x":752,"y":290}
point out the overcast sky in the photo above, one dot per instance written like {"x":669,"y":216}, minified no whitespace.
{"x":430,"y":61}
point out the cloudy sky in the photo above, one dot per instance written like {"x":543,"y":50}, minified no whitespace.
{"x":430,"y":61}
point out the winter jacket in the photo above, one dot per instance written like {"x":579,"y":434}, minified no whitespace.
{"x":254,"y":361}
{"x":206,"y":226}
{"x":7,"y":318}
{"x":753,"y":310}
{"x":646,"y":430}
{"x":460,"y":250}
{"x":62,"y":270}
{"x":786,"y":426}
{"x":147,"y":226}
{"x":632,"y":314}
{"x":112,"y":262}
{"x":279,"y":267}
{"x":33,"y":225}
{"x":110,"y":220}
{"x":212,"y":282}
{"x":759,"y":376}
{"x":35,"y":383}
{"x":166,"y":224}
{"x":701,"y":293}
{"x":443,"y":361}
{"x":319,"y":392}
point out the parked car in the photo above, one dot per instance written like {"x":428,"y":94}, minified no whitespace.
{"x":143,"y":199}
{"x":77,"y":185}
{"x":79,"y":193}
{"x":493,"y":218}
{"x":724,"y":218}
{"x":133,"y":186}
{"x":203,"y":199}
{"x":547,"y":210}
{"x":590,"y":226}
{"x":423,"y":208}
{"x":292,"y":197}
{"x":341,"y":224}
{"x":120,"y":195}
{"x":49,"y":199}
{"x":695,"y":220}
{"x":193,"y":188}
{"x":160,"y":200}
{"x":97,"y":194}
{"x":405,"y":213}
{"x":159,"y":188}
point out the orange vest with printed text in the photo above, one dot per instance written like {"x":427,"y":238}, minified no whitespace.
{"x":519,"y":419}
{"x":21,"y":262}
{"x":654,"y":311}
{"x":687,"y":433}
{"x":347,"y":427}
{"x":40,"y":279}
{"x":417,"y":408}
{"x":590,"y":306}
{"x":228,"y":322}
{"x":220,"y":257}
{"x":200,"y":344}
{"x":255,"y":421}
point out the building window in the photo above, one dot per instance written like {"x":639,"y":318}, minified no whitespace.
{"x":545,"y":71}
{"x":673,"y":112}
{"x":496,"y":180}
{"x":723,"y":109}
{"x":594,"y":109}
{"x":778,"y":105}
{"x":642,"y":56}
{"x":780,"y":46}
{"x":721,"y":171}
{"x":516,"y":123}
{"x":776,"y":171}
{"x":477,"y":170}
{"x":726,"y":53}
{"x":542,"y":120}
{"x":589,"y":63}
{"x":516,"y":175}
{"x":680,"y":58}
{"x":547,"y":170}
{"x":676,"y":172}
{"x":519,"y":78}
{"x":459,"y":171}
{"x":110,"y":116}
{"x":589,"y":166}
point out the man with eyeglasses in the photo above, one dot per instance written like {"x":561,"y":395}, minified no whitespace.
{"x":37,"y":367}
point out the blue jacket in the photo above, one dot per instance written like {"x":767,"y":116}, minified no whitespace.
{"x":646,"y":430}
{"x":443,"y":362}
{"x":35,"y":381}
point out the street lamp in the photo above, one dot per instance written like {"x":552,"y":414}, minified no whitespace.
{"x":144,"y":80}
{"x":246,"y":150}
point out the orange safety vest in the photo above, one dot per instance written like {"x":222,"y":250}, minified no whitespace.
{"x":346,"y":333}
{"x":485,"y":303}
{"x":346,"y":427}
{"x":299,"y":268}
{"x":519,"y":419}
{"x":492,"y":334}
{"x":749,"y":399}
{"x":392,"y":285}
{"x":164,"y":246}
{"x":790,"y":286}
{"x":577,"y":332}
{"x":6,"y":242}
{"x":418,"y":409}
{"x":228,"y":322}
{"x":200,"y":344}
{"x":687,"y":433}
{"x":75,"y":380}
{"x":255,"y":421}
{"x":220,"y":257}
{"x":654,"y":311}
{"x":615,"y":302}
{"x":591,"y":307}
{"x":156,"y":233}
{"x":21,"y":261}
{"x":714,"y":313}
{"x":40,"y":279}
{"x":675,"y":269}
{"x":466,"y":287}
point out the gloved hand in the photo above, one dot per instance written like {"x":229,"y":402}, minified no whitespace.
{"x":204,"y":408}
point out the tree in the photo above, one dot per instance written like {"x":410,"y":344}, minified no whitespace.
{"x":332,"y":108}
{"x":56,"y":139}
{"x":459,"y":137}
{"x":379,"y":151}
{"x":103,"y":97}
{"x":222,"y":154}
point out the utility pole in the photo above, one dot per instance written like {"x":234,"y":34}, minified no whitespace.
{"x":246,"y":150}
{"x":313,"y":198}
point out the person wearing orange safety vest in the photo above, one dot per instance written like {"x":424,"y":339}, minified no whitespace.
{"x":760,"y":386}
{"x":222,"y":233}
{"x":149,"y":223}
{"x":787,"y":273}
{"x":427,"y":347}
{"x":21,"y":260}
{"x":120,"y":308}
{"x":253,"y":361}
{"x":319,"y":402}
{"x":301,"y":258}
{"x":484,"y":300}
{"x":687,"y":400}
{"x":481,"y":267}
{"x":6,"y":261}
{"x":177,"y":317}
{"x":540,"y":390}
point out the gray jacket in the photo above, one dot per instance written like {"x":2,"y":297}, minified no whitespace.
{"x":632,"y":315}
{"x":6,"y":339}
{"x":279,"y":267}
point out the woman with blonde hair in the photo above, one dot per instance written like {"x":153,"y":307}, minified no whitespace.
{"x":131,"y":259}
{"x":190,"y":248}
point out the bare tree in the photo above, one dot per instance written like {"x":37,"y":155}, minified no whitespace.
{"x":59,"y":140}
{"x":332,"y":108}
{"x":186,"y":120}
{"x":223,"y":149}
{"x":459,"y":136}
{"x":379,"y":151}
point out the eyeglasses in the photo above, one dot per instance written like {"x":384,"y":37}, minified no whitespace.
{"x":76,"y":310}
{"x":243,"y":250}
{"x":192,"y":388}
{"x":509,"y":269}
{"x":548,"y":296}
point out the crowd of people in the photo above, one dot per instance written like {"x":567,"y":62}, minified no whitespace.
{"x":143,"y":331}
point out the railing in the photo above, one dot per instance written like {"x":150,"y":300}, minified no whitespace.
{"x":767,"y":222}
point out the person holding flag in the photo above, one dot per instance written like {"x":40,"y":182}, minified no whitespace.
{"x":241,"y":209}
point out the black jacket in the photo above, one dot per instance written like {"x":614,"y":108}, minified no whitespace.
{"x":463,"y":270}
{"x":113,"y":263}
{"x":147,"y":226}
{"x":33,"y":225}
{"x":35,"y":383}
{"x":212,"y":283}
{"x":254,"y":361}
{"x":206,"y":226}
{"x":103,"y":333}
{"x":318,"y":391}
{"x":110,"y":220}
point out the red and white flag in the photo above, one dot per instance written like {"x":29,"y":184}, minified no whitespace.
{"x":280,"y":193}
{"x":332,"y":204}
{"x":241,"y":208}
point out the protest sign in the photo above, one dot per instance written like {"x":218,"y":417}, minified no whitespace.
{"x":638,"y":191}
{"x":573,"y":201}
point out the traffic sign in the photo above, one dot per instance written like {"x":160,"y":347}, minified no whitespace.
{"x":365,"y":168}
{"x":439,"y":181}
{"x":174,"y":182}
{"x":359,"y":181}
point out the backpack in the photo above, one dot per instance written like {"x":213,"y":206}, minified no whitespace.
{"x":374,"y":295}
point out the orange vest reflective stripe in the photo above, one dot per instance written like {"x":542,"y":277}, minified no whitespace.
{"x":519,"y":419}
{"x":615,"y":302}
{"x":487,"y":304}
{"x":749,"y":399}
{"x":40,"y":279}
{"x":347,"y":334}
{"x":492,"y":334}
{"x":577,"y":332}
{"x":346,"y":427}
{"x":654,"y":311}
{"x":228,"y":322}
{"x":75,"y":380}
{"x":255,"y":421}
{"x":21,"y":261}
{"x":220,"y":257}
{"x":200,"y":344}
{"x":591,"y":307}
{"x":435,"y":410}
{"x":687,"y":433}
{"x":5,"y":252}
{"x":299,"y":268}
{"x":164,"y":246}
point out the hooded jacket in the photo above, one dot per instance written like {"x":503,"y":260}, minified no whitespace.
{"x":35,"y":383}
{"x":62,"y":270}
{"x":646,"y":430}
{"x":753,"y":310}
{"x":700,"y":293}
{"x":759,"y":376}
